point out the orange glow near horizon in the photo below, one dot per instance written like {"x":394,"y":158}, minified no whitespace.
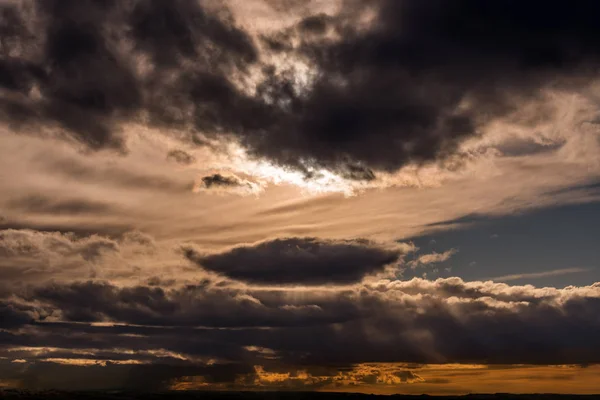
{"x":432,"y":379}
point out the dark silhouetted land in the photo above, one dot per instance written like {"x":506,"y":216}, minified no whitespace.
{"x":184,"y":395}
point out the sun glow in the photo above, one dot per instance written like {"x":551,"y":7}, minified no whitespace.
{"x":258,"y":174}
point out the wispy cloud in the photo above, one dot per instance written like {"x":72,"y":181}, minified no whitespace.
{"x":432,"y":258}
{"x":543,"y":274}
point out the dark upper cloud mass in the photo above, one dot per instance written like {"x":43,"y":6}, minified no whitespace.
{"x":218,"y":180}
{"x":407,"y":87}
{"x":425,"y":75}
{"x":76,"y":64}
{"x":307,"y":261}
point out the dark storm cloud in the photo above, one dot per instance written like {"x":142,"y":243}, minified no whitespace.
{"x":42,"y":375}
{"x":201,"y":305}
{"x":168,"y":30}
{"x":385,"y":322}
{"x":316,"y":24}
{"x":407,"y":88}
{"x":307,"y":261}
{"x":426,"y":75}
{"x":75,"y":64}
{"x":218,"y":180}
{"x":13,"y":316}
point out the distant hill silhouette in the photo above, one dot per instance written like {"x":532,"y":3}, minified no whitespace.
{"x":207,"y":395}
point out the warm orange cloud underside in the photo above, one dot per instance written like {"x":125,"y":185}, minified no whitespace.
{"x":429,"y":379}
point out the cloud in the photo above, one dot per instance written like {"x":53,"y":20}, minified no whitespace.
{"x":368,"y":378}
{"x":204,"y":304}
{"x":421,"y":77}
{"x":181,"y":157}
{"x":228,"y":184}
{"x":341,"y":99}
{"x":358,"y":98}
{"x":219,"y":180}
{"x":304,"y":261}
{"x":28,"y":255}
{"x":432,"y":258}
{"x":86,"y":67}
{"x":39,"y":204}
{"x":386,"y":321}
{"x":44,"y":375}
{"x":27,"y":243}
{"x":14,"y":316}
{"x":543,"y":274}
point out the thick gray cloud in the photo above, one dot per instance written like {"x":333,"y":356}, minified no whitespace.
{"x":384,"y":322}
{"x":423,"y":76}
{"x":304,"y":261}
{"x":75,"y":64}
{"x":193,"y":305}
{"x":43,"y":375}
{"x":408,"y":88}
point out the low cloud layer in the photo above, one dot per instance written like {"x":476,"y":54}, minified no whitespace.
{"x":302,"y":261}
{"x":389,"y":321}
{"x":222,"y":333}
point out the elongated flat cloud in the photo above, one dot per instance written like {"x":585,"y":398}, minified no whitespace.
{"x":304,"y":261}
{"x":406,"y":321}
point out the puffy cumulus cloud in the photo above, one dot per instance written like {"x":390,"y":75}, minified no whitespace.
{"x":29,"y":255}
{"x":303,"y":261}
{"x":388,"y":321}
{"x":206,"y":304}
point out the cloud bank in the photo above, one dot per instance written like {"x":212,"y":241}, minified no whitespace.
{"x":301,"y":261}
{"x":407,"y":87}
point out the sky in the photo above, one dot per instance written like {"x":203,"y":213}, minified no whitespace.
{"x":384,"y":196}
